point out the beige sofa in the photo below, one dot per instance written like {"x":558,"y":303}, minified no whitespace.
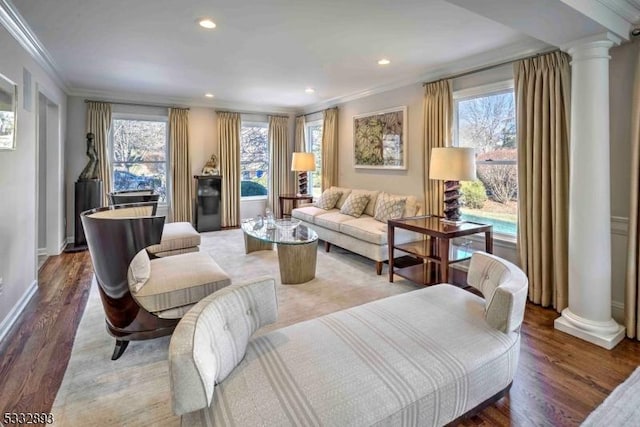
{"x":365,"y":235}
{"x":426,"y":357}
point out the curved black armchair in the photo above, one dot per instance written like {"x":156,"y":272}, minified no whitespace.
{"x":143,"y":298}
{"x":177,"y":237}
{"x":115,"y":234}
{"x":134,"y":196}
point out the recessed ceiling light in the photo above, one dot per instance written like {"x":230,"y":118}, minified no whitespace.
{"x":384,"y":61}
{"x":208,"y":95}
{"x":207,"y":23}
{"x":309,"y":90}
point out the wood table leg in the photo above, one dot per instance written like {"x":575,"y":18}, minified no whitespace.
{"x":297,"y":262}
{"x":443,"y":248}
{"x":390,"y":243}
{"x":488,"y":242}
{"x":251,"y":244}
{"x":281,"y":207}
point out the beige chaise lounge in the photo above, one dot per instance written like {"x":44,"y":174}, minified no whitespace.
{"x":421,"y":358}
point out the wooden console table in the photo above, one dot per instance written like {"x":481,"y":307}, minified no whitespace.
{"x":435,"y":249}
{"x":295,"y":198}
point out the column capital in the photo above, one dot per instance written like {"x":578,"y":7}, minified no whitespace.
{"x":592,"y":47}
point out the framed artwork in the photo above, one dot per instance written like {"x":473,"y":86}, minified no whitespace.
{"x":8,"y":108}
{"x":380,"y":139}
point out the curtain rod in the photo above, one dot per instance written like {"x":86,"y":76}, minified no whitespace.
{"x":308,"y":114}
{"x":315,"y":112}
{"x":489,"y":67}
{"x":137,"y":104}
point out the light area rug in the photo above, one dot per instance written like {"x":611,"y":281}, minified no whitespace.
{"x":620,"y":408}
{"x":134,"y":390}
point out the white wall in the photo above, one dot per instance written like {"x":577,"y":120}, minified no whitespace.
{"x":622,"y":68}
{"x":42,"y":176}
{"x":393,"y":181}
{"x":18,"y":216}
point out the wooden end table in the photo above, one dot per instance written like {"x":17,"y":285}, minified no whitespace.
{"x":295,"y":199}
{"x":435,"y":249}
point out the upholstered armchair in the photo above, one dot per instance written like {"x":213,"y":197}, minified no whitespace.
{"x":143,"y":298}
{"x":177,"y":237}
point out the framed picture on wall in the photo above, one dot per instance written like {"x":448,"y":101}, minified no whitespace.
{"x":380,"y":139}
{"x":8,"y":104}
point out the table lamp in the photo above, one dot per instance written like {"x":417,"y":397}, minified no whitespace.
{"x":303,"y":163}
{"x":452,"y":164}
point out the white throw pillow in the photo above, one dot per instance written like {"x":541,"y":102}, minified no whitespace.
{"x":328,"y":199}
{"x":139,"y":271}
{"x":389,"y":207}
{"x":355,"y":204}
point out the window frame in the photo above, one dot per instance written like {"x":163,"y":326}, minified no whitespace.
{"x":496,"y":88}
{"x":255,"y":122}
{"x":309,"y":147}
{"x":145,"y":118}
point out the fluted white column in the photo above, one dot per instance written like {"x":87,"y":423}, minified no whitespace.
{"x":589,"y":313}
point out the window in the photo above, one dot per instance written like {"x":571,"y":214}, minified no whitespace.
{"x":486,"y":121}
{"x":254,"y":159}
{"x":314,"y":144}
{"x":139,"y":155}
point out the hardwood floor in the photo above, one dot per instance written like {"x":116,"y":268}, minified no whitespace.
{"x":34,"y":355}
{"x":560,"y":379}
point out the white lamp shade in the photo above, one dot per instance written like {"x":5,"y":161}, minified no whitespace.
{"x":303,"y":162}
{"x":452,"y":164}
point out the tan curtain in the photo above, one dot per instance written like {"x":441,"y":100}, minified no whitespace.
{"x":99,"y":123}
{"x":542,"y":91}
{"x":280,"y":175}
{"x":330,"y":148}
{"x":300,"y":143}
{"x":438,"y":119}
{"x":229,"y":142}
{"x":632,"y":304}
{"x":181,"y":203}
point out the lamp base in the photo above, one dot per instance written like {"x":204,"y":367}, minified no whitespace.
{"x":452,"y":222}
{"x":451,"y":203}
{"x":302,"y":183}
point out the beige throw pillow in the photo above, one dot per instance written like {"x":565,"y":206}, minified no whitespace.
{"x":328,"y":199}
{"x":389,"y":207}
{"x":355,"y":204}
{"x":139,"y":271}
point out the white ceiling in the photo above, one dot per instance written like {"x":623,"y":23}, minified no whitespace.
{"x":263,"y":52}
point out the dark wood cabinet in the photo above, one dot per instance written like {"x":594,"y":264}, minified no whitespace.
{"x":208,"y":209}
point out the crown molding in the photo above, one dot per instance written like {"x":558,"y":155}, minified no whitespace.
{"x":615,"y":16}
{"x":163,"y":101}
{"x":15,"y":24}
{"x":627,"y":9}
{"x":512,"y":52}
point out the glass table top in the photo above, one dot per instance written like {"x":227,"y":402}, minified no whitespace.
{"x":280,"y":235}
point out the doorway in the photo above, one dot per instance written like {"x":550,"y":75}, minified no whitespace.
{"x":49,"y":180}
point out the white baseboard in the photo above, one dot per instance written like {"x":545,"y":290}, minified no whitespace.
{"x":71,"y":239}
{"x":617,"y":311}
{"x":63,"y":245}
{"x":13,"y":315}
{"x":42,"y":251}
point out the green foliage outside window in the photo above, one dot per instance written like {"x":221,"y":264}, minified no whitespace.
{"x":474,"y":195}
{"x":252,"y":188}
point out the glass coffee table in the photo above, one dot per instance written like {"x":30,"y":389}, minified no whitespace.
{"x":297,"y":248}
